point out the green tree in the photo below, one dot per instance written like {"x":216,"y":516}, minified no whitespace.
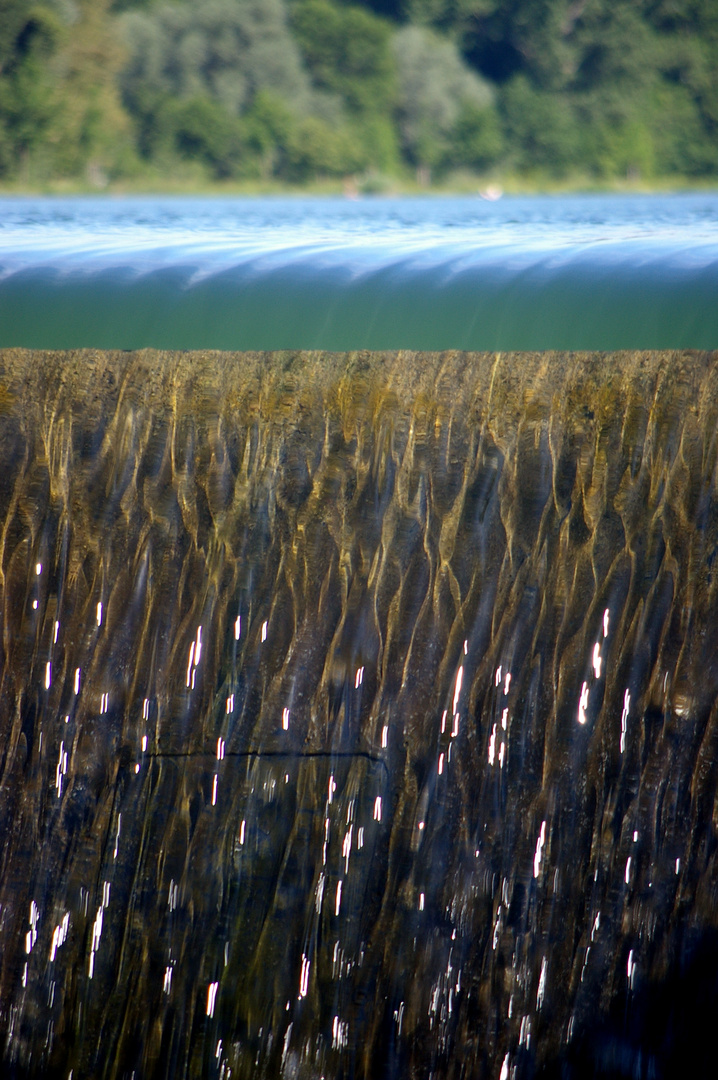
{"x":203,"y":130}
{"x":90,"y":133}
{"x":542,"y":128}
{"x":118,"y":6}
{"x":438,"y":96}
{"x":60,"y":113}
{"x":267,"y":128}
{"x":221,"y":84}
{"x":227,"y":50}
{"x":610,"y":88}
{"x":29,"y":35}
{"x":689,"y":59}
{"x":347,"y":52}
{"x":299,"y":88}
{"x":450,"y":16}
{"x":317,"y":148}
{"x":477,"y":141}
{"x":615,"y":82}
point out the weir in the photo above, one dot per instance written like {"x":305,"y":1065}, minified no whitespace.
{"x":358,"y":714}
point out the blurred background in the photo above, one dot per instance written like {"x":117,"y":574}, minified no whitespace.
{"x":367,"y":96}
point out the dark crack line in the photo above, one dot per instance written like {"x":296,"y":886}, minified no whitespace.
{"x":341,"y":755}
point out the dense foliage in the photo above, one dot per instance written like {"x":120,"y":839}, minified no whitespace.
{"x":289,"y":91}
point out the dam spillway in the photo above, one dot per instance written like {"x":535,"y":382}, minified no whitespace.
{"x":426,"y":274}
{"x":358,"y":714}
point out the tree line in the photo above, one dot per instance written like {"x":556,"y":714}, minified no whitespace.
{"x":291,"y":92}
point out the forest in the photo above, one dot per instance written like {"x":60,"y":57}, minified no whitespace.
{"x":374,"y":96}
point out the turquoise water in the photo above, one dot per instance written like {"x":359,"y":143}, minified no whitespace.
{"x":579,"y":272}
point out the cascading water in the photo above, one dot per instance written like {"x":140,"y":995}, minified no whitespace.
{"x":358,"y":710}
{"x":421,"y":274}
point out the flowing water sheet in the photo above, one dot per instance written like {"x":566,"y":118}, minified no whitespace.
{"x":358,"y":714}
{"x":603,"y":272}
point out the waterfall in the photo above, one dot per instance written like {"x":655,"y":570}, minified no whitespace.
{"x":358,"y":714}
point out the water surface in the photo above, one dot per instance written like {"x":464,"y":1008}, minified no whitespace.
{"x":575,"y":272}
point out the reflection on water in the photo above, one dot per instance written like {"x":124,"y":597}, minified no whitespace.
{"x":358,"y":714}
{"x":581,"y":272}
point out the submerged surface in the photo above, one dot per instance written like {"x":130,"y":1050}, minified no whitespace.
{"x":358,"y":715}
{"x":578,"y":272}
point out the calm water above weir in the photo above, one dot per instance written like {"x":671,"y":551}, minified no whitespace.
{"x":577,"y":272}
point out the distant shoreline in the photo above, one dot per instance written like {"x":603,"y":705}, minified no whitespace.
{"x":491,"y":188}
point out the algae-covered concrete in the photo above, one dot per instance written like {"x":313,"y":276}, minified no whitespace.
{"x":358,"y":713}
